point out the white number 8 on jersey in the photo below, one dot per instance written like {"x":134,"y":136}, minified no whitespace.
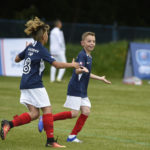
{"x":26,"y":67}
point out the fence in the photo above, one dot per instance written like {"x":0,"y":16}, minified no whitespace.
{"x":73,"y":32}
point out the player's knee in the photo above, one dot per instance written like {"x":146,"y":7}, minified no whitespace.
{"x":86,"y":112}
{"x":74,"y":113}
{"x":35,"y":115}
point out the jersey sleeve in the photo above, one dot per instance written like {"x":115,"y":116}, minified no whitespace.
{"x":46,"y":56}
{"x":81,"y":59}
{"x":22,"y":54}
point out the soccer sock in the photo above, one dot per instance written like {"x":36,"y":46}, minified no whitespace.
{"x":48,"y":125}
{"x":79,"y":124}
{"x":62,"y":115}
{"x":20,"y":120}
{"x":11,"y":124}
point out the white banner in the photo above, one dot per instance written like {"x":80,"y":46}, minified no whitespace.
{"x":9,"y":49}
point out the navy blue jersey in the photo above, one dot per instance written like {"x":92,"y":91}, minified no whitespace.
{"x":34,"y":56}
{"x":79,"y":82}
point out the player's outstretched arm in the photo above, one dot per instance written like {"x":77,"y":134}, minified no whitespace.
{"x":66,"y":65}
{"x":93,"y":76}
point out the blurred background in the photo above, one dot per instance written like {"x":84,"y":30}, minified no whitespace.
{"x":115,"y":22}
{"x":112,"y":20}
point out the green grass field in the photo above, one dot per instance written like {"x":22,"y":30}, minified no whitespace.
{"x":119,"y":120}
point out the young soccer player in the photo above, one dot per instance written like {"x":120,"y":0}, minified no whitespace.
{"x":33,"y":93}
{"x":77,"y":99}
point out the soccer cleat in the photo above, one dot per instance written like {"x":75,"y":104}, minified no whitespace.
{"x":55,"y":145}
{"x":40,"y":124}
{"x":59,"y":80}
{"x":5,"y":127}
{"x":73,"y":139}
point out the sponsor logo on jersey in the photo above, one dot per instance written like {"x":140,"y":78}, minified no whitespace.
{"x":33,"y":50}
{"x":30,"y":53}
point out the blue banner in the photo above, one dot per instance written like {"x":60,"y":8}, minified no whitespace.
{"x":140,"y":59}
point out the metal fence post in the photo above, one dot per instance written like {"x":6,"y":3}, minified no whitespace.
{"x":115,"y":32}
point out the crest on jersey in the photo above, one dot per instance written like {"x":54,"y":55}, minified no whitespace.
{"x":81,"y":63}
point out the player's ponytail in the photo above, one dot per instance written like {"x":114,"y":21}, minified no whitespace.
{"x":36,"y":28}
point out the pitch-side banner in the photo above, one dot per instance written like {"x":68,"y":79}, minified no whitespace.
{"x":9,"y":48}
{"x":138,"y":61}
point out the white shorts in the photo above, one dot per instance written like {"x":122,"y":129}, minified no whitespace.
{"x":60,"y":57}
{"x":74,"y":102}
{"x":37,"y":97}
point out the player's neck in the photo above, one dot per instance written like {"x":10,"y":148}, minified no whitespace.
{"x":42,"y":42}
{"x":87,"y":52}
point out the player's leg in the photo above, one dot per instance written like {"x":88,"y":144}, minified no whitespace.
{"x":52,"y":74}
{"x":85,"y":111}
{"x":48,"y":127}
{"x":62,"y":58}
{"x":33,"y":112}
{"x":59,"y":116}
{"x":48,"y":123}
{"x":65,"y":115}
{"x":22,"y":119}
{"x":53,"y":70}
{"x":72,"y":103}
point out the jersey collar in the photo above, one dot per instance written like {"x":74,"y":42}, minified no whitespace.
{"x":87,"y":54}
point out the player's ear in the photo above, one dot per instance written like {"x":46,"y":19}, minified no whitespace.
{"x":82,"y":43}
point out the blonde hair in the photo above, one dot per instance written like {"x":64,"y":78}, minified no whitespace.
{"x":85,"y":34}
{"x":36,"y":28}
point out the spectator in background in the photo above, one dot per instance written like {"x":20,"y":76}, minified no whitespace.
{"x":57,"y":48}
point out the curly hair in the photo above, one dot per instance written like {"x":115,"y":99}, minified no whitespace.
{"x":36,"y":28}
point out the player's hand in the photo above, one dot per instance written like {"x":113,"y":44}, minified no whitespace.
{"x":75,"y":64}
{"x":84,"y":69}
{"x":105,"y":80}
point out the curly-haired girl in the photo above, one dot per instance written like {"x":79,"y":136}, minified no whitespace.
{"x":33,"y":93}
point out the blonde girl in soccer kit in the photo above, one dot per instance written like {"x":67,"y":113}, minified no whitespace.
{"x":77,"y":99}
{"x":33,"y":93}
